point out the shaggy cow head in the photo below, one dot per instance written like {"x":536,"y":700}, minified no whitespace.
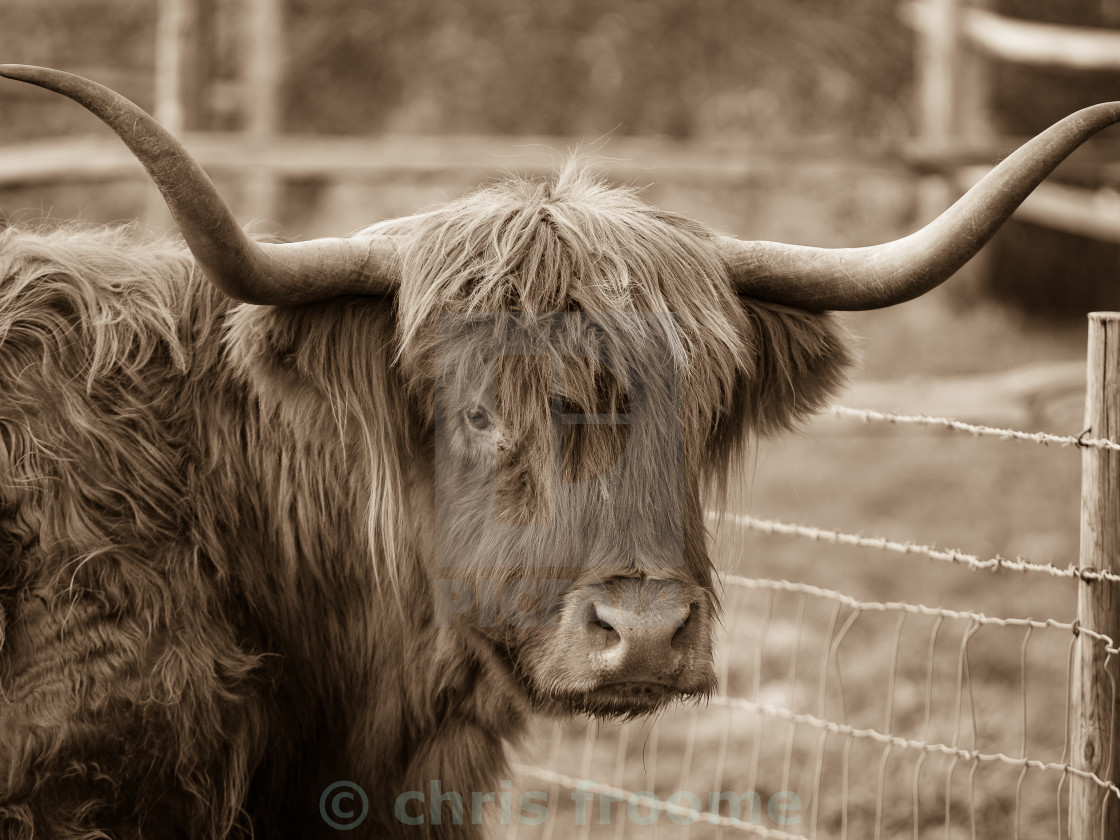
{"x":584,"y":367}
{"x":588,"y":371}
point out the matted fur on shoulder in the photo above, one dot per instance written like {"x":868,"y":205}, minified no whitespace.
{"x":108,"y":609}
{"x":125,"y":293}
{"x":99,"y":327}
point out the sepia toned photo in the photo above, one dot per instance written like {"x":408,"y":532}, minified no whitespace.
{"x":559,"y":420}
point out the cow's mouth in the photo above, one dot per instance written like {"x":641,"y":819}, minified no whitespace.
{"x":633,"y":697}
{"x":627,"y":689}
{"x":626,"y":699}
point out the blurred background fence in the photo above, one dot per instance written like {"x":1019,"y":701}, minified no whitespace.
{"x":896,"y":697}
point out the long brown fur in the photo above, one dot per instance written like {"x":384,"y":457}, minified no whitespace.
{"x":218,"y":522}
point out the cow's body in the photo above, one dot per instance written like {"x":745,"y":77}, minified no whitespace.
{"x":197,"y":634}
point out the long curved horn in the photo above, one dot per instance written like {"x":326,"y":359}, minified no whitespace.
{"x":883,"y":275}
{"x":255,"y":272}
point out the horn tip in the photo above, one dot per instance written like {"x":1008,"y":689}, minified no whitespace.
{"x":21,"y":72}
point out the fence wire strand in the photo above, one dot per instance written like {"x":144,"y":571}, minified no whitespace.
{"x":946,"y":555}
{"x":917,"y":609}
{"x":869,"y":415}
{"x":960,"y":753}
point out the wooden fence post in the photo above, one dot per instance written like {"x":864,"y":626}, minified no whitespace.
{"x":263,"y":44}
{"x":938,"y":53}
{"x":176,"y":31}
{"x":1094,"y":812}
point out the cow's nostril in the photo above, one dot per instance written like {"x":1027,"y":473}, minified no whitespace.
{"x":599,"y":620}
{"x":683,"y":625}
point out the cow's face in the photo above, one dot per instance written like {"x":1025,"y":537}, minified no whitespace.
{"x":589,"y":371}
{"x":569,"y":530}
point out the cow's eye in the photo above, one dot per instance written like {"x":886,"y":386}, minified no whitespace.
{"x":480,"y":418}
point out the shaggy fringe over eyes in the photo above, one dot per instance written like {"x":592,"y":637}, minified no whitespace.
{"x":573,"y":243}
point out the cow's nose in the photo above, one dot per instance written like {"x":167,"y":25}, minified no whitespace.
{"x":639,"y":631}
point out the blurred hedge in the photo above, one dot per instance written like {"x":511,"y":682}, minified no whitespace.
{"x":680,"y":68}
{"x":763,"y":69}
{"x":110,"y":40}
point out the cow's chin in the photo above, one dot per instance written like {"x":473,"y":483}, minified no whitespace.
{"x":621,"y":701}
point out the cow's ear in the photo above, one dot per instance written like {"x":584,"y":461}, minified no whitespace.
{"x":802,"y":360}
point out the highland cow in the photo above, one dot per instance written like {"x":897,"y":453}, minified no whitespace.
{"x":274,"y":516}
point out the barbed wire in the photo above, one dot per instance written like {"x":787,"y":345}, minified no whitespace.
{"x":918,"y":609}
{"x":868,"y":415}
{"x":907,"y":743}
{"x":948,"y":555}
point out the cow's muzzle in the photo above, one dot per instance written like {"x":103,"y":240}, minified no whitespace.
{"x":641,"y":632}
{"x":629,"y":645}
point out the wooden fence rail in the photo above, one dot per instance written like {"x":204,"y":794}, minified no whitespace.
{"x":955,"y":38}
{"x":1026,"y":42}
